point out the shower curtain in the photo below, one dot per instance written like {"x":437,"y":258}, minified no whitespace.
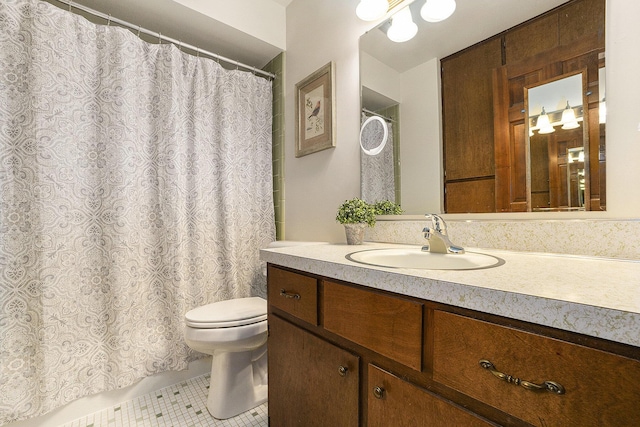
{"x":377,"y":174}
{"x":135,"y":185}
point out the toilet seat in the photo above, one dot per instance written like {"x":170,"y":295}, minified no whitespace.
{"x":227,"y":314}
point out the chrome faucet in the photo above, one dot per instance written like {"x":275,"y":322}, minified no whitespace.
{"x":436,"y":235}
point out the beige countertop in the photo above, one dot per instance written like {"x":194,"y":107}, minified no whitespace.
{"x":593,"y":296}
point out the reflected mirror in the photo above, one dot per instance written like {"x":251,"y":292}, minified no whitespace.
{"x":435,"y":172}
{"x":558,"y":174}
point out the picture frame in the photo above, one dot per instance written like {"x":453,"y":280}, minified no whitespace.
{"x":315,"y":112}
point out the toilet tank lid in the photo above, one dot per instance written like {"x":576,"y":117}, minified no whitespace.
{"x":232,"y":310}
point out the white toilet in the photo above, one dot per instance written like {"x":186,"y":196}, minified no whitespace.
{"x":234,"y":332}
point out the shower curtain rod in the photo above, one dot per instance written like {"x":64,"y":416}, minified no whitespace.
{"x":178,"y":43}
{"x":373,"y":113}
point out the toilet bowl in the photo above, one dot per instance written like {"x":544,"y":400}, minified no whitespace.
{"x":234,"y":332}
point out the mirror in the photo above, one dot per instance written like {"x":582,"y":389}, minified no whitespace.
{"x":407,"y":76}
{"x":373,"y":135}
{"x":557,"y":141}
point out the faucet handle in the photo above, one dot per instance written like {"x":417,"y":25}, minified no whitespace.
{"x":438,"y":223}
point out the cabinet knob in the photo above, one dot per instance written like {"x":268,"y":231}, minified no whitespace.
{"x":342,"y":370}
{"x":378,"y":392}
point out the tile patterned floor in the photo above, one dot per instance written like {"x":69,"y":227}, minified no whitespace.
{"x":179,"y":405}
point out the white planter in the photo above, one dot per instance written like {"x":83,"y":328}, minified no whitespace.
{"x":355,"y":233}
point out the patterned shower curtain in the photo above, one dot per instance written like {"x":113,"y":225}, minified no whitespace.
{"x":377,"y":174}
{"x":135,"y":184}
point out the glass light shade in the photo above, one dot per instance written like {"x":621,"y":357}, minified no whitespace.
{"x":544,"y":124}
{"x":602,"y":112}
{"x":371,"y":10}
{"x":437,"y":10}
{"x":569,"y":118}
{"x":402,"y":26}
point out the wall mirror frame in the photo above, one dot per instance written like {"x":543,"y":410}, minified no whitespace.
{"x":524,"y":50}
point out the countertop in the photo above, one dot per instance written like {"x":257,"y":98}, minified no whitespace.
{"x":593,"y":296}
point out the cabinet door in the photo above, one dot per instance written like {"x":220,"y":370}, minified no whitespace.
{"x":395,"y":402}
{"x":311,"y":382}
{"x":467,"y":120}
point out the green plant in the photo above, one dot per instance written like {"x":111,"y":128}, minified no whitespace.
{"x":387,"y":207}
{"x":356,"y":211}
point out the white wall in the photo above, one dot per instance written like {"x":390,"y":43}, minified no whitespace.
{"x":421,"y":192}
{"x":317,"y":184}
{"x":379,"y":77}
{"x":623,"y":108}
{"x":261,"y":19}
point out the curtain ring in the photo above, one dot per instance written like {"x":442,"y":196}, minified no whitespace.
{"x":159,"y":38}
{"x":109,"y":21}
{"x":70,"y":5}
{"x":139,"y":30}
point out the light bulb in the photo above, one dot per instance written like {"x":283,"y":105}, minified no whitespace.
{"x":402,"y":26}
{"x":544,"y":124}
{"x":371,"y":10}
{"x":602,"y":112}
{"x":437,"y":10}
{"x":569,"y":118}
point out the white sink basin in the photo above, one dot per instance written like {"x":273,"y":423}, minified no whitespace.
{"x":416,"y":258}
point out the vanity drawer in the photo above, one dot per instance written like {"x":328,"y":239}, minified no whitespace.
{"x":294,"y":293}
{"x":385,"y":324}
{"x":600,"y":388}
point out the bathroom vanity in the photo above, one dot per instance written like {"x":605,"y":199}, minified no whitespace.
{"x":515,"y":345}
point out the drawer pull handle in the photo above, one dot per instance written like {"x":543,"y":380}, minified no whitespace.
{"x":550,"y":386}
{"x":286,"y":294}
{"x":378,"y":392}
{"x":342,"y":370}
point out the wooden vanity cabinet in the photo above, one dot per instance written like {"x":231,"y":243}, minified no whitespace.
{"x":373,"y":358}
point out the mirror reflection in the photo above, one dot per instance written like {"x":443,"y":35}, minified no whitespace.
{"x":377,"y":159}
{"x":558,"y":177}
{"x":463,"y":138}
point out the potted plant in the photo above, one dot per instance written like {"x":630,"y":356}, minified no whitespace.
{"x":355,"y":215}
{"x":387,"y":207}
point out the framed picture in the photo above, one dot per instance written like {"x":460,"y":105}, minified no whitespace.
{"x":315,"y":112}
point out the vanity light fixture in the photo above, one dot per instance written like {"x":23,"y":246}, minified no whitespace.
{"x":372,"y":10}
{"x":544,"y":124}
{"x":437,"y":10}
{"x":569,"y":118}
{"x":402,"y":26}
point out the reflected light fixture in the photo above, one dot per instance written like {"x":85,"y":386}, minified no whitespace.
{"x":602,"y":112}
{"x":402,"y":26}
{"x":544,"y":124}
{"x":371,"y":10}
{"x":569,"y":118}
{"x":437,"y":10}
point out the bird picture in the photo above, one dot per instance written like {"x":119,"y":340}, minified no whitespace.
{"x":314,"y":105}
{"x":315,"y":111}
